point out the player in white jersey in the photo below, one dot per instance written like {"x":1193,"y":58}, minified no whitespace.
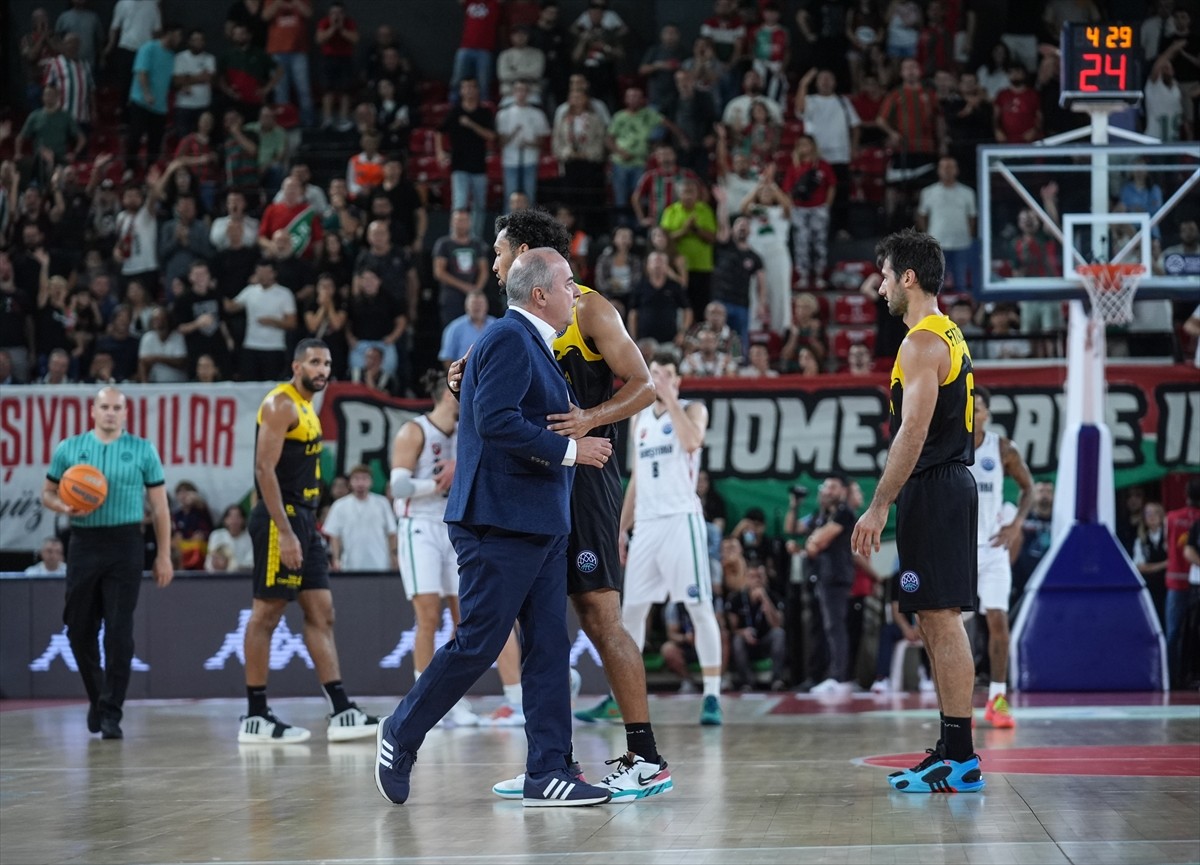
{"x":667,"y":558}
{"x":423,"y":458}
{"x":999,"y":542}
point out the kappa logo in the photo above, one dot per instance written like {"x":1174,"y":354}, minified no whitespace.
{"x":587,"y":561}
{"x":988,"y":464}
{"x":284,"y":646}
{"x":60,"y":647}
{"x":909,"y":581}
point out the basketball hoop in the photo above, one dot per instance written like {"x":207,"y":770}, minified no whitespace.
{"x":1110,"y":288}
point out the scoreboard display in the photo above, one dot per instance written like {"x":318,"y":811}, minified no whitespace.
{"x":1100,"y":63}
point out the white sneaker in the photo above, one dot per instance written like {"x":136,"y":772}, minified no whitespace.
{"x":829,"y":686}
{"x":460,"y":715}
{"x":883,"y":686}
{"x":507,"y":715}
{"x":269,"y":730}
{"x":637,"y":778}
{"x":352,"y":723}
{"x":576,"y":684}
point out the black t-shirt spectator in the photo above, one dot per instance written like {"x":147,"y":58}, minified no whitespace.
{"x":748,"y":613}
{"x":373,"y":318}
{"x":294,"y":273}
{"x":339,"y":348}
{"x":835,"y":564}
{"x":468,"y":150}
{"x":405,"y":203}
{"x":203,"y":340}
{"x":239,"y":14}
{"x":734,"y":272}
{"x":658,"y":309}
{"x":16,"y":308}
{"x":124,"y":353}
{"x":392,"y":269}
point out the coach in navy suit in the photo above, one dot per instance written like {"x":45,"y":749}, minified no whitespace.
{"x":509,"y":512}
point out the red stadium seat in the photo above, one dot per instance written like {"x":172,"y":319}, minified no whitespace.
{"x":434,"y":114}
{"x":547,"y":168}
{"x":848,"y":275}
{"x":423,"y":141}
{"x":846,"y":337}
{"x":854,"y":310}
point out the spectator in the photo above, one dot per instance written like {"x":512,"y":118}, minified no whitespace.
{"x":935,"y":42}
{"x":755,"y":623}
{"x":1168,"y":114}
{"x":962,"y":313}
{"x":361,"y":528}
{"x":769,"y":47}
{"x":409,"y":217}
{"x":812,"y":185}
{"x":394,"y":266}
{"x":229,"y":546}
{"x":679,"y":649}
{"x":191,"y":526}
{"x":385,"y":40}
{"x":84,"y":325}
{"x":325,"y":319}
{"x":706,"y":361}
{"x":660,"y":241}
{"x":659,"y":306}
{"x":737,"y":112}
{"x":1150,"y":557}
{"x":1182,"y":589}
{"x":866,"y":103}
{"x":739,"y":279}
{"x":296,"y":274}
{"x":198,"y":313}
{"x":1003,"y":330}
{"x":72,"y":75}
{"x":16,"y":322}
{"x":523,"y":132}
{"x":195,"y":153}
{"x":459,"y":265}
{"x":946,"y":210}
{"x":460,"y":334}
{"x":692,"y":114}
{"x":239,"y":159}
{"x":58,"y":368}
{"x":195,"y":71}
{"x":836,"y":129}
{"x":619,"y":268}
{"x":714,"y":520}
{"x":968,"y":115}
{"x":162,"y":351}
{"x":1036,"y":538}
{"x":859,"y":360}
{"x":469,"y":127}
{"x":521,"y":63}
{"x":234,"y":226}
{"x":865,"y":31}
{"x":1183,"y":258}
{"x":828,"y":550}
{"x":288,"y":45}
{"x":246,"y":73}
{"x":805,"y":331}
{"x":726,"y":32}
{"x":182,"y":241}
{"x":364,"y":171}
{"x":599,"y":48}
{"x":51,"y":561}
{"x":270,"y":316}
{"x":759,"y":138}
{"x":376,"y":319}
{"x":760,"y":363}
{"x":1035,"y":253}
{"x":716,"y":319}
{"x":53,"y":134}
{"x":769,"y":212}
{"x":628,"y":141}
{"x":692,"y":225}
{"x":85,"y":25}
{"x":297,"y":217}
{"x":337,"y":36}
{"x":372,"y":374}
{"x":473,"y":60}
{"x":578,"y":144}
{"x":102,"y":369}
{"x":909,"y":119}
{"x":120,"y":344}
{"x":153,"y":75}
{"x":137,"y":22}
{"x":659,"y":67}
{"x":271,"y":144}
{"x":578,"y":82}
{"x":993,"y":74}
{"x":1018,"y":109}
{"x":137,"y":235}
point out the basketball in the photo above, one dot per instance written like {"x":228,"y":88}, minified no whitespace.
{"x":83,"y":488}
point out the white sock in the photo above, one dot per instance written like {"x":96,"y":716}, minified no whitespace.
{"x":712,"y":686}
{"x":512,"y":695}
{"x":996,"y":688}
{"x":417,"y":674}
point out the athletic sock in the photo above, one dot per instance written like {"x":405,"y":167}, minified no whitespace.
{"x":338,"y":701}
{"x":957,"y":732}
{"x":942,"y":727}
{"x":639,"y":738}
{"x":256,"y":697}
{"x":513,"y":695}
{"x":996,"y":689}
{"x":712,"y":686}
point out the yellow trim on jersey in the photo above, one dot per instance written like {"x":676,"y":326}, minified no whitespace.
{"x":944,"y":327}
{"x":572,"y":337}
{"x":308,"y":426}
{"x":272,"y":553}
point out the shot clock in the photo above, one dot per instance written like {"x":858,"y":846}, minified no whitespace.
{"x":1100,"y":63}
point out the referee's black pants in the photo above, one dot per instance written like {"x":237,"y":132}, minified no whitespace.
{"x":104,"y":576}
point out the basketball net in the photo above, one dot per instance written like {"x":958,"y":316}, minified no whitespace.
{"x":1110,"y":289}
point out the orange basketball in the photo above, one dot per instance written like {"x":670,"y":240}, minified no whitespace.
{"x":83,"y":488}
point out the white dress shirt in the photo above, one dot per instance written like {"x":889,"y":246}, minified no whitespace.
{"x":547,"y":332}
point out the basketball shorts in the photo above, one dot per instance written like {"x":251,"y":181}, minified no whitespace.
{"x":995,"y":578}
{"x":428,"y":563}
{"x":593,"y":562}
{"x":272,"y":578}
{"x":936,"y":539}
{"x":668,"y":559}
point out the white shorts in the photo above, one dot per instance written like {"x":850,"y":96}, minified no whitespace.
{"x":668,"y":558}
{"x":428,"y":563}
{"x":995,"y":577}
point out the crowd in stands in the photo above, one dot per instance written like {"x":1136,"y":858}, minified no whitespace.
{"x":174,"y":211}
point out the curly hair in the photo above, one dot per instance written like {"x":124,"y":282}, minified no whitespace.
{"x":535,"y":227}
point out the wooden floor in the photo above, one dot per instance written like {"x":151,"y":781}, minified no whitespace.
{"x":788,"y":779}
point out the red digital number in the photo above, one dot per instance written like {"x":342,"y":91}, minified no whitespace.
{"x":1095,"y":61}
{"x":1115,"y":67}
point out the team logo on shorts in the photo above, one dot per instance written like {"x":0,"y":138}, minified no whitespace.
{"x":988,"y":464}
{"x":909,"y":581}
{"x":693,"y":591}
{"x":587,"y":561}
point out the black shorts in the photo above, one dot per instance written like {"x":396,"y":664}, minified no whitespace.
{"x":272,"y":579}
{"x":592,"y":558}
{"x":936,"y":514}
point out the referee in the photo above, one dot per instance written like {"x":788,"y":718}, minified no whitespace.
{"x":104,"y":560}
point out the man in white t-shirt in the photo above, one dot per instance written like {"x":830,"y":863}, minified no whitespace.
{"x":835,"y":126}
{"x":270,"y":314}
{"x":523,"y":132}
{"x":947,"y":211}
{"x":194,"y":70}
{"x":162,"y":351}
{"x":52,"y":564}
{"x":361,"y":528}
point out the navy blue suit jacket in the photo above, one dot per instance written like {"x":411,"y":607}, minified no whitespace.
{"x":510,"y":472}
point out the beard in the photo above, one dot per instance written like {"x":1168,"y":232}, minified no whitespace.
{"x":312,"y":386}
{"x":898,"y":305}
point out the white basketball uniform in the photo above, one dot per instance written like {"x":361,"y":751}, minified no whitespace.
{"x":668,"y":554}
{"x":428,"y":563}
{"x":995,"y":572}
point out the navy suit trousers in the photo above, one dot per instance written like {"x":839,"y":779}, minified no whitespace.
{"x":504,"y":577}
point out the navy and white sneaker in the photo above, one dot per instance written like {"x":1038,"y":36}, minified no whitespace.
{"x":514,"y":788}
{"x":393,"y":766}
{"x":559,"y":789}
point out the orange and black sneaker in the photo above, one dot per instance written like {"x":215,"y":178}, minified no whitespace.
{"x":998,"y":714}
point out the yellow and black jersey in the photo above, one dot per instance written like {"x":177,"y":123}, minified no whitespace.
{"x":299,"y":466}
{"x":951,"y":437}
{"x":585,"y":368}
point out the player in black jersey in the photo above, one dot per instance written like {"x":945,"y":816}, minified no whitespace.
{"x":933,"y":418}
{"x":593,"y":349}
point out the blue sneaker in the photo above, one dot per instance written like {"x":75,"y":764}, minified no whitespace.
{"x":559,"y":789}
{"x":514,"y":788}
{"x":393,"y":766}
{"x":710,"y":712}
{"x":936,"y":774}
